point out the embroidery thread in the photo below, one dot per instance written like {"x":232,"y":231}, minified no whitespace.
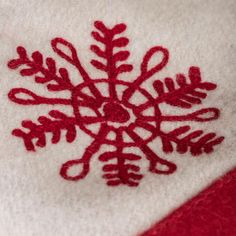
{"x":119,"y":114}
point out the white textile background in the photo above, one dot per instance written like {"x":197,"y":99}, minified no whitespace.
{"x":34,"y":199}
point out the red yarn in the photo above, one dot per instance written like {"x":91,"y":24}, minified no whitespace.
{"x":114,"y":112}
{"x":210,"y":213}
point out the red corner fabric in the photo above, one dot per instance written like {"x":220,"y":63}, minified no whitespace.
{"x":210,"y":213}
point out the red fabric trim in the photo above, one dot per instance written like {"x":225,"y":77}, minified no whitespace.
{"x":210,"y":213}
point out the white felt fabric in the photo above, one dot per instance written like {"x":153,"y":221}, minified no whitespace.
{"x":34,"y":199}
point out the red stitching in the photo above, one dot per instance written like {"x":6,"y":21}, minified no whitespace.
{"x":38,"y":131}
{"x":112,"y":112}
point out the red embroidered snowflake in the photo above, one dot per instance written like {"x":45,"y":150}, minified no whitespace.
{"x":118,"y":112}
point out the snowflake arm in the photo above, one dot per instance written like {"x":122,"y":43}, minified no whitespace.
{"x":121,"y":172}
{"x":36,"y":135}
{"x":43,"y":74}
{"x":196,"y":141}
{"x":109,"y":60}
{"x":108,"y":38}
{"x":187,"y":94}
{"x":184,"y":94}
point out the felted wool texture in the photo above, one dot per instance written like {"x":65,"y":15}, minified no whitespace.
{"x":34,"y":199}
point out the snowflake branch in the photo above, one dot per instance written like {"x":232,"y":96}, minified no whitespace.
{"x":37,"y":132}
{"x":195,"y":141}
{"x":187,"y":94}
{"x":121,"y":172}
{"x":106,"y":37}
{"x":42,"y":74}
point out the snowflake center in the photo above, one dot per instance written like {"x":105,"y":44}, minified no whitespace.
{"x":115,"y":112}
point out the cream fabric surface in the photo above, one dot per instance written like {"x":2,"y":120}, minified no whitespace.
{"x":34,"y":199}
